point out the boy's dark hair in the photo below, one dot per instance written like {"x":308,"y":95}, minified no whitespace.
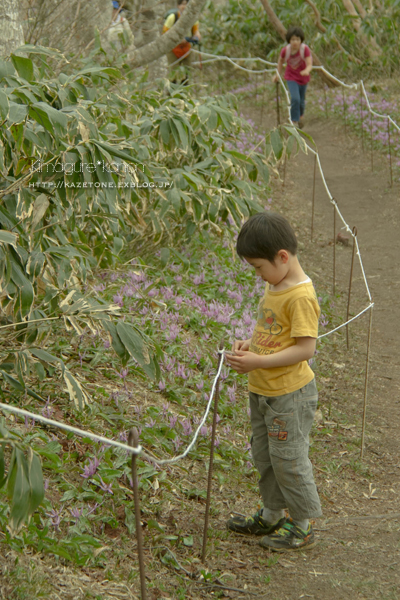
{"x":297,"y":31}
{"x":263,"y":235}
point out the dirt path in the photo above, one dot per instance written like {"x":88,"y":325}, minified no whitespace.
{"x":358,"y":554}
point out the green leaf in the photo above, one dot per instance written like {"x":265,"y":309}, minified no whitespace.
{"x":153,"y":524}
{"x":46,"y":357}
{"x":17,"y":113}
{"x":4,"y":105}
{"x":164,"y":256}
{"x":136,"y":347}
{"x":2,"y":467}
{"x":24,"y":66}
{"x":76,"y":393}
{"x":40,"y":206}
{"x":18,"y":490}
{"x":47,"y":116}
{"x":276,"y":142}
{"x":13,"y":382}
{"x":188,"y":541}
{"x":116,"y":341}
{"x":8,"y":237}
{"x":35,"y":477}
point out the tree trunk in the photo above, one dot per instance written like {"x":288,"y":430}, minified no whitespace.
{"x":360,"y":8}
{"x":151,"y":17}
{"x":11,"y":33}
{"x":163,"y":44}
{"x":374,"y":50}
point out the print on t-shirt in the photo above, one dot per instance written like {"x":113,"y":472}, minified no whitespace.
{"x":267,"y":320}
{"x":295,"y":61}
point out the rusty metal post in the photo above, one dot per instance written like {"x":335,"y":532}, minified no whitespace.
{"x":313,"y":197}
{"x":366,"y":384}
{"x":344,"y":111}
{"x":334,"y":248}
{"x":326,"y":101}
{"x":390,"y":153}
{"x":278,"y":116}
{"x":361,"y":119}
{"x":210,"y":468}
{"x":372,"y":146}
{"x":350,"y":283}
{"x":133,"y":440}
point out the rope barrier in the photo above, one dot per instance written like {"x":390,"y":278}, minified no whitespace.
{"x":97,"y":438}
{"x":75,"y":430}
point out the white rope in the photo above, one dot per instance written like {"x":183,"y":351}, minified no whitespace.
{"x":80,"y":432}
{"x":332,"y":201}
{"x":192,"y":443}
{"x":103,"y":440}
{"x":347,"y":322}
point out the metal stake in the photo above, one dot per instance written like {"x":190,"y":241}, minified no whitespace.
{"x":390,"y":153}
{"x":361,"y":119}
{"x":350,"y":283}
{"x":334,"y":247}
{"x":133,"y":440}
{"x":366,"y":385}
{"x":278,"y":116}
{"x":372,"y":146}
{"x":210,"y":468}
{"x":313,"y":197}
{"x":344,"y":111}
{"x":326,"y":102}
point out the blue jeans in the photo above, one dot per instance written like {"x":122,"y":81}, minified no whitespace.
{"x":280,"y":442}
{"x":298,"y":97}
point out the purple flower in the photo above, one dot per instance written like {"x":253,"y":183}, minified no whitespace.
{"x":118,"y":299}
{"x":55,"y":518}
{"x":161,"y":386}
{"x":48,"y":410}
{"x":204,"y":431}
{"x":232,"y":394}
{"x":177,"y":443}
{"x":105,"y":487}
{"x":76,"y":513}
{"x":187,"y":427}
{"x":172,"y":421}
{"x":90,"y":469}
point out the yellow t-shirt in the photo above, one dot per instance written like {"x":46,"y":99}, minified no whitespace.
{"x":282,"y":317}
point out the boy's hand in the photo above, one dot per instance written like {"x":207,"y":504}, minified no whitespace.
{"x":241,"y":345}
{"x":243,"y":361}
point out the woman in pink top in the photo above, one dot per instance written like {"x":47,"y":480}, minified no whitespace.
{"x":298,"y":59}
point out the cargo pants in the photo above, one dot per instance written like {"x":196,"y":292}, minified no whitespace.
{"x":280,"y":444}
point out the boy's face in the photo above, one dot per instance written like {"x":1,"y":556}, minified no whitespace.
{"x":182,"y":6}
{"x":295,"y":42}
{"x":271,"y":272}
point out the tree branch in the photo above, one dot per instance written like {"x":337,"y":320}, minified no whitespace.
{"x":323,"y":29}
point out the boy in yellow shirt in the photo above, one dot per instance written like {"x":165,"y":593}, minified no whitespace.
{"x":283,"y":392}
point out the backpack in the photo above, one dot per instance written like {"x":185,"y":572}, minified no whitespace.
{"x":287,"y":52}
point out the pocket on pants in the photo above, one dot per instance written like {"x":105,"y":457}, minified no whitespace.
{"x":285,"y":451}
{"x":283,"y":427}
